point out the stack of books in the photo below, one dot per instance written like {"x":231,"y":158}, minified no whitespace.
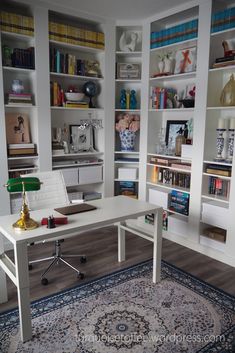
{"x":179,"y":33}
{"x":75,"y":35}
{"x":19,"y":99}
{"x":224,"y":61}
{"x":217,"y":169}
{"x":173,"y":163}
{"x":128,"y":188}
{"x":179,"y":202}
{"x":21,"y":149}
{"x":223,"y":20}
{"x":76,"y":104}
{"x":160,"y":97}
{"x":12,"y":22}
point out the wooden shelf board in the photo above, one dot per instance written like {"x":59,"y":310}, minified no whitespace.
{"x":165,"y":186}
{"x":215,"y":198}
{"x":126,"y":152}
{"x":222,"y":32}
{"x":169,"y":157}
{"x":86,"y":109}
{"x":17,"y":69}
{"x":78,"y":77}
{"x":79,"y":154}
{"x":219,"y":163}
{"x":186,"y":75}
{"x":77,"y":47}
{"x":171,"y":168}
{"x":217,"y":176}
{"x":172,"y":110}
{"x":188,"y":41}
{"x":17,"y":36}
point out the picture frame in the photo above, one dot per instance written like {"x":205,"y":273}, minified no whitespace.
{"x":82,"y":138}
{"x":17,"y":128}
{"x":172,"y":128}
{"x":185,"y":60}
{"x":128,"y":71}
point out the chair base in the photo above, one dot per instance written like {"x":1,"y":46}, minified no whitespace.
{"x":56,"y":259}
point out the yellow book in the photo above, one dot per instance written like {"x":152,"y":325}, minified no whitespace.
{"x":93,"y":38}
{"x":5,"y":20}
{"x":31,"y":25}
{"x":69,"y":34}
{"x":80,"y":36}
{"x":100,"y":40}
{"x":16,"y":21}
{"x":27,"y":26}
{"x":64,"y":30}
{"x":73,"y":35}
{"x":52,"y":30}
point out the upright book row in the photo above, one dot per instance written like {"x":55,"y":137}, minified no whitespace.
{"x":223,"y":20}
{"x":12,"y":22}
{"x":76,"y":35}
{"x":179,"y":33}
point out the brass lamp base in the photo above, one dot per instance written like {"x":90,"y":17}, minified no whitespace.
{"x":25,"y":224}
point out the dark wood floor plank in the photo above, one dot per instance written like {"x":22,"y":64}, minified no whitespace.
{"x":100,"y":246}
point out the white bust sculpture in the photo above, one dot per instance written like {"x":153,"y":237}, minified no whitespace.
{"x":124,"y":46}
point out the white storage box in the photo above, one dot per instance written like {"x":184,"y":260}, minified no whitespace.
{"x":159,"y":198}
{"x":177,"y":225}
{"x":70,"y":176}
{"x":214,"y":214}
{"x":127,"y":173}
{"x":187,"y":151}
{"x":89,"y":175}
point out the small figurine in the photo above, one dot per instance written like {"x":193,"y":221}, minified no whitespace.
{"x":124,"y":46}
{"x":133,"y":100}
{"x":123,"y":99}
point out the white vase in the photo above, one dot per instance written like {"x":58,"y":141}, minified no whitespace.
{"x":161,"y":66}
{"x":167,"y":65}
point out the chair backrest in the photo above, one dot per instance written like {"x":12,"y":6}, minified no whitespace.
{"x":52,"y":194}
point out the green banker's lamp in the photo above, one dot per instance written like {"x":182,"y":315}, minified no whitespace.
{"x":23,"y":185}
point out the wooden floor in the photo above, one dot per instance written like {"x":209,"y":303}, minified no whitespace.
{"x":100,"y":246}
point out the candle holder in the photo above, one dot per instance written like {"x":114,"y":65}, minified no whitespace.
{"x":220,"y":145}
{"x":230,"y":145}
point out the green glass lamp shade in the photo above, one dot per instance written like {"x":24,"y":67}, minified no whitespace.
{"x":30,"y":184}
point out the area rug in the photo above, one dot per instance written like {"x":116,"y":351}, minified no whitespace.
{"x":126,"y":313}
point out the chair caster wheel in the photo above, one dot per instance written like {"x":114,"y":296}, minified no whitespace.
{"x":83,"y":259}
{"x":30,"y":267}
{"x":44,"y":281}
{"x":81,"y":275}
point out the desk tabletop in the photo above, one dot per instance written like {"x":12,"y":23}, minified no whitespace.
{"x":109,"y":210}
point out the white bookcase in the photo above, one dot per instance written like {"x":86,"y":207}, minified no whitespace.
{"x":206,"y":113}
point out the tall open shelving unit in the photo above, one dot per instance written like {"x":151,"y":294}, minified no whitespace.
{"x":127,"y":159}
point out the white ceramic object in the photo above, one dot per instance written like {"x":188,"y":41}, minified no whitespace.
{"x":74,"y":96}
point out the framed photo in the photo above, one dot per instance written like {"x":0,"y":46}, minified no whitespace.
{"x":185,"y":60}
{"x":82,"y":137}
{"x":172,"y":130}
{"x":128,"y":70}
{"x":17,"y":128}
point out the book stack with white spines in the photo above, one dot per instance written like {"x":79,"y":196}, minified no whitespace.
{"x":20,"y":99}
{"x":76,"y":104}
{"x":21,"y":149}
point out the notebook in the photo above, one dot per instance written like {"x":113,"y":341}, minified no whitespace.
{"x":68,"y":210}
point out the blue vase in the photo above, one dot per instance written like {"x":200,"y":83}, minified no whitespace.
{"x":127,"y":139}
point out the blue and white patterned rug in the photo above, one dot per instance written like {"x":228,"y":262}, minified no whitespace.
{"x":125,"y":312}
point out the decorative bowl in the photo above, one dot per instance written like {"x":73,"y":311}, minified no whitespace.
{"x":74,"y":96}
{"x":187,"y":103}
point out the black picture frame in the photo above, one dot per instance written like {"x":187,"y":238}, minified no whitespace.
{"x":172,"y":126}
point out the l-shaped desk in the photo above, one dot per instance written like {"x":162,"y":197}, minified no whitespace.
{"x":109,"y":211}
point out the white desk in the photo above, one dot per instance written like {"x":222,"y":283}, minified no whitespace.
{"x":109,"y":211}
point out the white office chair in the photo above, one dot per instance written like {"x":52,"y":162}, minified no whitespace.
{"x":52,"y":194}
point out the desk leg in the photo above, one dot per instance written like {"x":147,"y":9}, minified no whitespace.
{"x":3,"y":281}
{"x":157,"y":246}
{"x":22,"y":276}
{"x":121,"y":244}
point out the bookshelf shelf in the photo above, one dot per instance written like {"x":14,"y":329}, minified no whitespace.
{"x":76,"y":47}
{"x":175,"y":77}
{"x":128,"y":80}
{"x":126,"y":162}
{"x":172,"y":110}
{"x":81,"y":109}
{"x":189,"y":43}
{"x":168,"y":156}
{"x":170,"y":168}
{"x":18,"y":69}
{"x":218,"y":163}
{"x":129,"y":53}
{"x":217,"y":176}
{"x":215,"y":198}
{"x":128,"y":110}
{"x":22,"y":169}
{"x":22,"y":157}
{"x":28,"y":106}
{"x":222,"y":33}
{"x":221,"y":69}
{"x":177,"y":213}
{"x":19,"y":36}
{"x":164,"y":186}
{"x":75,"y":165}
{"x":133,"y":180}
{"x":79,"y":154}
{"x":76,"y":77}
{"x":221,"y":108}
{"x":126,"y":152}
